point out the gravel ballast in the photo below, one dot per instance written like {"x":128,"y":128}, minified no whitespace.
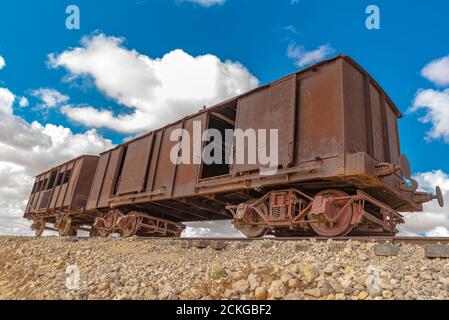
{"x":113,"y":268}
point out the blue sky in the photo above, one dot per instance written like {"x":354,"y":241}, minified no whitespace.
{"x":251,"y":32}
{"x":254,"y":33}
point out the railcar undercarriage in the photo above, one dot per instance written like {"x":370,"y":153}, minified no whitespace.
{"x":113,"y":222}
{"x":285,"y":213}
{"x":331,"y":213}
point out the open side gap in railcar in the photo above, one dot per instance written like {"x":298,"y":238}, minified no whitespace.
{"x":53,"y":176}
{"x":222,"y":120}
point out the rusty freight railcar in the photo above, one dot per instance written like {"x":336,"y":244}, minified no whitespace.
{"x":59,"y":197}
{"x":339,"y":167}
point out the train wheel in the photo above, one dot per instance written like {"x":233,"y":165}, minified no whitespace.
{"x":254,"y":231}
{"x":101,"y":228}
{"x":39,"y":227}
{"x":339,"y":228}
{"x":65,"y":227}
{"x":130,"y":227}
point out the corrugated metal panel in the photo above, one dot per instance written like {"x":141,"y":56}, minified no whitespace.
{"x":72,"y":182}
{"x":64,"y":188}
{"x":165,"y":171}
{"x":152,"y":170}
{"x":355,"y":110}
{"x":378,"y":131}
{"x":320,"y":127}
{"x":44,"y":181}
{"x":84,"y":182}
{"x":393,"y":135}
{"x":271,"y":108}
{"x":97,"y":183}
{"x":134,"y":167}
{"x":57,"y":189}
{"x":45,"y":200}
{"x":187,"y":174}
{"x":110,"y":177}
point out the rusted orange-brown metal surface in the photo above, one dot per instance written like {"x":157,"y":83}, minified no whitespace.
{"x":61,"y":194}
{"x":341,"y":171}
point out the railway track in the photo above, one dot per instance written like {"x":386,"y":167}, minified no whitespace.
{"x":381,"y":239}
{"x":393,"y":240}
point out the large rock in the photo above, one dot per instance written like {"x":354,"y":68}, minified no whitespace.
{"x":277,"y":289}
{"x":330,"y":268}
{"x":363,"y":295}
{"x":241,"y":286}
{"x":261,"y":293}
{"x":310,"y":273}
{"x":253,"y":282}
{"x":315,"y":293}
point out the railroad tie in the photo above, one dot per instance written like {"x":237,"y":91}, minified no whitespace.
{"x":218,"y":245}
{"x":386,"y":250}
{"x":433,"y":251}
{"x":301,"y":247}
{"x":200,"y":244}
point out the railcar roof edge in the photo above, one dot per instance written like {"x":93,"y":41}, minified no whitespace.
{"x":67,"y":162}
{"x":300,"y":72}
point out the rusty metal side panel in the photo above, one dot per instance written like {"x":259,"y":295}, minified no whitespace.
{"x":152,"y":170}
{"x":270,"y":108}
{"x":57,"y":190}
{"x":54,"y":189}
{"x":110,"y":177}
{"x":393,"y":135}
{"x":42,"y":192}
{"x":84,"y":182}
{"x":166,"y":169}
{"x":132,"y":177}
{"x":97,"y":182}
{"x":68,"y":201}
{"x":187,"y":174}
{"x":45,"y":201}
{"x":36,"y":194}
{"x":378,"y":130}
{"x":320,"y":126}
{"x":64,"y":189}
{"x":356,"y":112}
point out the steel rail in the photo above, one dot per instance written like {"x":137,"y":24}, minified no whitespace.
{"x":364,"y":239}
{"x":378,"y":239}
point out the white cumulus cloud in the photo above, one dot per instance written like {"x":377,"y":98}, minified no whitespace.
{"x":205,"y":3}
{"x":2,"y":62}
{"x":50,"y":98}
{"x":302,"y":57}
{"x":435,"y":105}
{"x":152,"y":91}
{"x":6,"y":101}
{"x":23,"y":102}
{"x":437,"y":71}
{"x":211,"y":229}
{"x":27,"y":149}
{"x":434,"y":221}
